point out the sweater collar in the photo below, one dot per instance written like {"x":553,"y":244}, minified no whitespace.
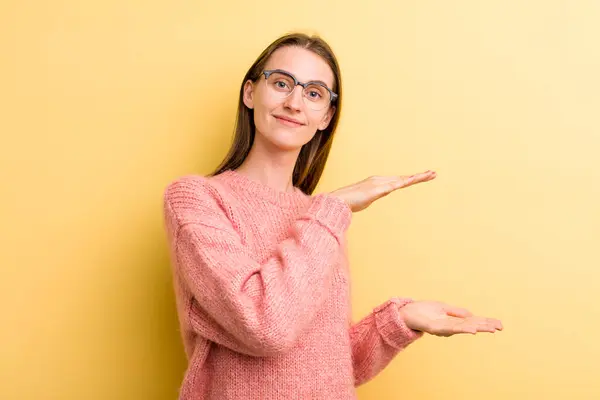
{"x":263,"y":191}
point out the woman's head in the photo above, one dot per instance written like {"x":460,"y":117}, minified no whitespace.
{"x":290,"y":99}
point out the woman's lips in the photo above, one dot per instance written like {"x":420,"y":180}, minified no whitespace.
{"x":288,"y":122}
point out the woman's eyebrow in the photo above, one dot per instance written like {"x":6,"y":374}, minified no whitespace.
{"x":311,"y":80}
{"x":318,"y":81}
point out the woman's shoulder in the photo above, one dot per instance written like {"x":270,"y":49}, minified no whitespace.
{"x":190,"y":185}
{"x":191,"y":196}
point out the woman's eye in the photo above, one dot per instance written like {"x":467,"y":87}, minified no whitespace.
{"x":314,"y":95}
{"x":281,"y":84}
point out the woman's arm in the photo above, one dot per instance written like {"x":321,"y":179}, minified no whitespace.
{"x":257,"y":308}
{"x":378,"y":338}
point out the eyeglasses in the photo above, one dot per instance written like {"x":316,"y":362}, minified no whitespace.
{"x":281,"y":84}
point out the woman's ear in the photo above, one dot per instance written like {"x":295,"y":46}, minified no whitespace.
{"x":327,"y":118}
{"x":249,"y":94}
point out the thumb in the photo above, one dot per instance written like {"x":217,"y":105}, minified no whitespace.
{"x":458,"y":312}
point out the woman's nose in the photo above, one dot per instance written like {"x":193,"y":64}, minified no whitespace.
{"x":294,"y":100}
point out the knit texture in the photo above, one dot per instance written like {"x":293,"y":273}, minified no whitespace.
{"x":263,"y":294}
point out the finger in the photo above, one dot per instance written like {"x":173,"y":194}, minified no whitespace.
{"x":402,"y":181}
{"x":497,"y":323}
{"x":463,"y":326}
{"x":425,"y":176}
{"x":485,"y":326}
{"x":471,"y":325}
{"x":389,"y":184}
{"x":457,"y":312}
{"x":493,"y":322}
{"x":474,"y":325}
{"x":417,"y":178}
{"x":464,"y":329}
{"x":453,"y":325}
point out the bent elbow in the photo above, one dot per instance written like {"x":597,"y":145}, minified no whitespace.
{"x":275,"y":341}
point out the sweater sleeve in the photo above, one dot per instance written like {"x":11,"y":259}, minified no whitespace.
{"x":251,"y":307}
{"x":378,"y":338}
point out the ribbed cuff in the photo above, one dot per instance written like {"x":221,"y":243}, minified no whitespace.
{"x":391,"y":326}
{"x":332,"y":212}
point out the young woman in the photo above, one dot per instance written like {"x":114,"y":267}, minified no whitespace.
{"x":259,"y":262}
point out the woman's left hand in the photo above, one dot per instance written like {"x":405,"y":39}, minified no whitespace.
{"x":441,"y":319}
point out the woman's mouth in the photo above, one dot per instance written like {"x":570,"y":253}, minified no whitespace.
{"x":288,"y":121}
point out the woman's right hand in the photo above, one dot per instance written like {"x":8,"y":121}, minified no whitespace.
{"x":361,"y":194}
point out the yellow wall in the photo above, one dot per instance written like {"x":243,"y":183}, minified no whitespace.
{"x":104,"y":102}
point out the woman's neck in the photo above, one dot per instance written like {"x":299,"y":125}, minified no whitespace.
{"x":271,"y":168}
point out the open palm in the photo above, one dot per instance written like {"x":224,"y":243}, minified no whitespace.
{"x":441,"y":319}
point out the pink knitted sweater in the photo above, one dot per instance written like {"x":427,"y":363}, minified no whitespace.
{"x":263,"y":294}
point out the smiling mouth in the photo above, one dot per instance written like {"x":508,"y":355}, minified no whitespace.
{"x":288,"y":122}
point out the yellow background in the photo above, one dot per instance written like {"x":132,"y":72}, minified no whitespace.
{"x":104,"y":102}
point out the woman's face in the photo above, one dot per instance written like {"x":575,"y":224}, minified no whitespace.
{"x":273,"y":115}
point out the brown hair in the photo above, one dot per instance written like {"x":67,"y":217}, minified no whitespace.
{"x":313,"y":155}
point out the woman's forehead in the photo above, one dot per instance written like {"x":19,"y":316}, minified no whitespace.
{"x":304,"y":64}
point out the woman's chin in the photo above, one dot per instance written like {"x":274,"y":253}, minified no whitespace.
{"x":288,"y":141}
{"x":288,"y":145}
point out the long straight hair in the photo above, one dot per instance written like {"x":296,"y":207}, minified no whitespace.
{"x":313,"y":155}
